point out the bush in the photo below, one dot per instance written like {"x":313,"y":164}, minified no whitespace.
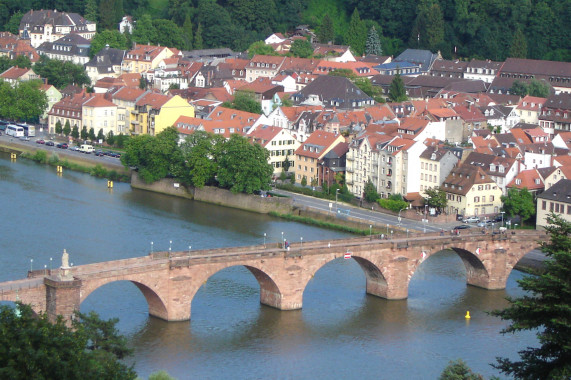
{"x":393,"y":205}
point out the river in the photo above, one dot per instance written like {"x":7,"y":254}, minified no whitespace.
{"x":340,"y":333}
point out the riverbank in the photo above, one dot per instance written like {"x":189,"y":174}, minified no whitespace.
{"x":75,"y":161}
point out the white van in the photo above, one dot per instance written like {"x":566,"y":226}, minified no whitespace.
{"x":86,"y":148}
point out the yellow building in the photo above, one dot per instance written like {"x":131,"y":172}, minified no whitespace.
{"x":311,"y":152}
{"x":279,"y":142}
{"x":470,"y":191}
{"x":125,"y":98}
{"x":145,"y":57}
{"x":556,"y":199}
{"x":155,"y":112}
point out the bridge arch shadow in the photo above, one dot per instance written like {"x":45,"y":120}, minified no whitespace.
{"x":129,"y":298}
{"x":235,"y":284}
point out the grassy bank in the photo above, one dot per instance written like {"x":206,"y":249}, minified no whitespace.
{"x":41,"y":156}
{"x":321,"y":223}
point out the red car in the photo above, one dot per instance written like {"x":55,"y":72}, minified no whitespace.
{"x":40,"y":141}
{"x":62,"y":146}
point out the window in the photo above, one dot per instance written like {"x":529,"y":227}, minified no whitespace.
{"x":568,"y":210}
{"x":491,"y":198}
{"x":551,"y":206}
{"x":557,"y":207}
{"x":476,"y":199}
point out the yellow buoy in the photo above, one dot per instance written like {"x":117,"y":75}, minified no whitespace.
{"x":467,"y":316}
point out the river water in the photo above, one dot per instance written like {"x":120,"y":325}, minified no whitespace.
{"x":341,"y":333}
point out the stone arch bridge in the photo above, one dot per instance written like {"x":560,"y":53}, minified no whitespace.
{"x":169,"y":280}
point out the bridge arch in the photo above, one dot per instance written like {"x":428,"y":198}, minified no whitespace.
{"x":155,"y":301}
{"x":375,"y":274}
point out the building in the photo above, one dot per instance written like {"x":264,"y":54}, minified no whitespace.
{"x":100,"y":114}
{"x":106,"y":63}
{"x":311,"y":153}
{"x":145,"y":57}
{"x":556,"y":114}
{"x":333,"y":91}
{"x":49,"y":26}
{"x":557,"y":74}
{"x":470,"y":191}
{"x":68,"y":110}
{"x":17,"y":74}
{"x":72,"y":48}
{"x":280,"y":143}
{"x":435,"y":165}
{"x":556,"y":199}
{"x":156,"y":112}
{"x":529,"y":109}
{"x":53,"y":96}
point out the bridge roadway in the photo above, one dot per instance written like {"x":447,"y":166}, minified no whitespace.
{"x":169,"y":280}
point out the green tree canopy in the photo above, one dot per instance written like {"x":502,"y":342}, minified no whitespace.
{"x":32,"y":347}
{"x":201,"y":153}
{"x":370,"y":191}
{"x":435,"y":197}
{"x":61,"y":73}
{"x":144,"y":32}
{"x":545,"y":309}
{"x":168,"y":34}
{"x":518,"y":47}
{"x":459,"y":370}
{"x":260,"y":48}
{"x":397,"y":92}
{"x":244,"y":101}
{"x":301,"y":48}
{"x":356,"y":35}
{"x":326,"y":32}
{"x":74,"y":131}
{"x":373,"y":44}
{"x":113,"y":38}
{"x":244,"y":167}
{"x":428,"y":30}
{"x":519,"y":202}
{"x":25,"y":101}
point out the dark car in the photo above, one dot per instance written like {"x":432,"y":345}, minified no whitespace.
{"x":62,"y":146}
{"x":40,"y":141}
{"x":498,"y":218}
{"x":461,"y":227}
{"x":50,"y":143}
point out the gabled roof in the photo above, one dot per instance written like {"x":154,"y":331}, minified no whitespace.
{"x":98,"y":100}
{"x":316,"y":144}
{"x":488,"y":161}
{"x":538,"y":67}
{"x":531,"y":103}
{"x":129,"y":94}
{"x":264,"y":134}
{"x":425,"y":58}
{"x":529,"y":179}
{"x":561,"y":192}
{"x":242,"y":118}
{"x":463,"y":177}
{"x":470,"y":114}
{"x":15,"y":72}
{"x":334,"y":89}
{"x":153,"y":100}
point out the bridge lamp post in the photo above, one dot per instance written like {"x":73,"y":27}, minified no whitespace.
{"x":264,"y":240}
{"x":387,"y":229}
{"x":336,"y":193}
{"x":151,"y":247}
{"x":31,"y":265}
{"x":370,"y":232}
{"x":392,"y":234}
{"x":45,"y":269}
{"x":283,"y":240}
{"x":189,"y":248}
{"x":170,"y":245}
{"x":50,"y":264}
{"x":407,"y":233}
{"x":301,"y":242}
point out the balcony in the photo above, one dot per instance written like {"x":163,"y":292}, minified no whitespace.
{"x":349,"y":158}
{"x":135,"y":111}
{"x":349,"y":170}
{"x":389,"y":172}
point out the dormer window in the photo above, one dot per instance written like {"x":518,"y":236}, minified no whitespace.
{"x":518,"y":181}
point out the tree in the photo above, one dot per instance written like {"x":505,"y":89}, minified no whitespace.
{"x":113,"y":38}
{"x":428,"y":29}
{"x":518,"y":47}
{"x":370,"y":191}
{"x":519,"y":202}
{"x":546,"y":309}
{"x":61,"y":73}
{"x":67,"y":129}
{"x":100,"y":135}
{"x":187,"y":32}
{"x":144,"y":32}
{"x":397,"y":93}
{"x":539,"y":88}
{"x":260,"y":48}
{"x":56,"y":351}
{"x":13,"y":24}
{"x":59,"y":128}
{"x":201,"y":153}
{"x":154,"y":156}
{"x":435,"y":197}
{"x":74,"y":131}
{"x":301,"y":48}
{"x":168,"y":34}
{"x":22,"y":61}
{"x":92,"y":136}
{"x":244,"y":101}
{"x":373,"y":45}
{"x":286,"y":164}
{"x":356,"y":35}
{"x":142,"y":83}
{"x":111,"y":138}
{"x":84,"y":133}
{"x":244,"y":167}
{"x":160,"y":375}
{"x":459,"y":370}
{"x":29,"y":101}
{"x":326,"y":32}
{"x":90,"y":11}
{"x":198,"y":43}
{"x":303,"y":181}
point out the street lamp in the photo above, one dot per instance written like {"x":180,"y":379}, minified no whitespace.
{"x":370,"y":232}
{"x":387,"y":229}
{"x":283,"y":240}
{"x":151,"y":248}
{"x":399,"y":214}
{"x":407,"y":233}
{"x":189,"y":248}
{"x":31,"y":265}
{"x":300,"y":242}
{"x":264,"y":240}
{"x":336,"y":193}
{"x":503,"y":212}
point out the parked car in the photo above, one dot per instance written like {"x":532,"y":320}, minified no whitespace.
{"x":50,"y":143}
{"x":62,"y":146}
{"x":498,"y":218}
{"x":472,"y":219}
{"x":25,"y":138}
{"x":74,"y":148}
{"x":462,"y":227}
{"x":40,"y":141}
{"x":459,"y":217}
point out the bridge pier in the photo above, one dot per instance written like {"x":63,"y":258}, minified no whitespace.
{"x":62,"y":298}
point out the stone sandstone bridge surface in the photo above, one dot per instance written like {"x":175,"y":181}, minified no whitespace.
{"x":169,"y":280}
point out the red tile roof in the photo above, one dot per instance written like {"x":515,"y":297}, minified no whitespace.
{"x":316,"y":144}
